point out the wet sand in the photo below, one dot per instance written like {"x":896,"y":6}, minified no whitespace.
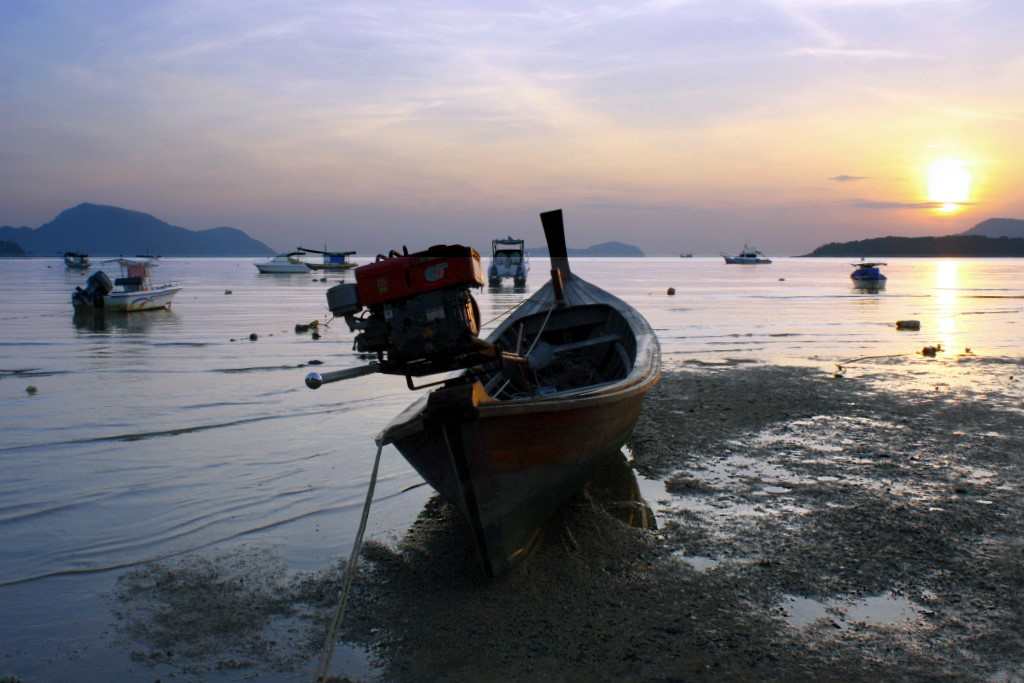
{"x":810,"y":528}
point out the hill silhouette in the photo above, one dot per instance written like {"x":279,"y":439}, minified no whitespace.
{"x":111,"y":231}
{"x":8,"y":248}
{"x":950,"y":245}
{"x":998,"y":227}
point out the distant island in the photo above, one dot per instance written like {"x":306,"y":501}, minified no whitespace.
{"x":998,"y":227}
{"x":994,"y":237}
{"x":111,"y":231}
{"x":602,"y":249}
{"x":8,"y":248}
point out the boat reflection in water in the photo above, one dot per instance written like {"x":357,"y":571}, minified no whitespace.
{"x":99,"y":320}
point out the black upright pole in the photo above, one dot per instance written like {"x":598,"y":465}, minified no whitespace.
{"x":554,"y":233}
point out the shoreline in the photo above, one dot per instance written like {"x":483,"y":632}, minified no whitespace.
{"x":810,"y":528}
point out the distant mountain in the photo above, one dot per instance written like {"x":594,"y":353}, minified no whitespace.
{"x":111,"y":231}
{"x":999,"y":227}
{"x":603,"y":249}
{"x":10,"y":249}
{"x":950,"y":245}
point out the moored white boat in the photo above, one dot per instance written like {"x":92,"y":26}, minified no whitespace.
{"x":285,"y":263}
{"x":747,"y":257}
{"x":508,"y":260}
{"x":133,"y":291}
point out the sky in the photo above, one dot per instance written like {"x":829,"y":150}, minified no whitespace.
{"x":675,"y":125}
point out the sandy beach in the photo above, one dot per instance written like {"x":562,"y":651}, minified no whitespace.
{"x":809,"y":528}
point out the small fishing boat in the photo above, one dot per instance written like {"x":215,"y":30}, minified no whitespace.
{"x":687,"y":255}
{"x":518,"y":430}
{"x":133,"y":291}
{"x":284,"y":263}
{"x":867,"y":274}
{"x":748,"y":256}
{"x":76,"y":260}
{"x":332,"y":260}
{"x":506,"y":450}
{"x":508,"y":260}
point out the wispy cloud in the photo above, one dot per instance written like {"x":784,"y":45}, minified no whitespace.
{"x":844,"y":178}
{"x":237,"y":39}
{"x":828,"y":42}
{"x":853,"y":53}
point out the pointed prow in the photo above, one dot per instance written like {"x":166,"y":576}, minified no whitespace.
{"x":554,"y":233}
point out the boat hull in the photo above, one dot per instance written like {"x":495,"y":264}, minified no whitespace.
{"x":511,"y":468}
{"x":743,"y":261}
{"x":331,"y":266}
{"x":283,"y":269}
{"x":131,"y":302}
{"x":517,"y":273}
{"x":508,"y":464}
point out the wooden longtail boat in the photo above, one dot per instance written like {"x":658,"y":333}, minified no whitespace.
{"x":508,"y":451}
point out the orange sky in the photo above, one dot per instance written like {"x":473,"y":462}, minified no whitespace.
{"x":678,"y":126}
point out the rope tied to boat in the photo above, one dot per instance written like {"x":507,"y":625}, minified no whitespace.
{"x":543,"y":326}
{"x":350,"y":570}
{"x":503,"y":313}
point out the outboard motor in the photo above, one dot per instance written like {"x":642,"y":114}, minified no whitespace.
{"x":415,"y":311}
{"x":96,"y":287}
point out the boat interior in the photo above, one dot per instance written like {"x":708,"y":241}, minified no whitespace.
{"x":578,"y":347}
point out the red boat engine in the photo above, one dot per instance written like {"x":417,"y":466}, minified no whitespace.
{"x":415,"y":311}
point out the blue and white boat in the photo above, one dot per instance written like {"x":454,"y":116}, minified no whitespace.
{"x":332,"y":260}
{"x":867,"y":274}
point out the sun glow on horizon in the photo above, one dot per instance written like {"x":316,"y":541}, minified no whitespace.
{"x":949,"y":184}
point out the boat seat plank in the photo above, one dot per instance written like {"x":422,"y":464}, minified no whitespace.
{"x":593,"y":341}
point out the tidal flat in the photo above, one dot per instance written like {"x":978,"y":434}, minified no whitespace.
{"x":809,"y":527}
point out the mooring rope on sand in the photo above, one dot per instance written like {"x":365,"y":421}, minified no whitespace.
{"x":843,"y":364}
{"x":350,"y":570}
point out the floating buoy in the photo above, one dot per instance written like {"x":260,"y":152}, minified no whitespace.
{"x":908,"y":324}
{"x":253,"y":337}
{"x":671,"y":291}
{"x":233,"y":339}
{"x":31,"y":390}
{"x":227,"y":291}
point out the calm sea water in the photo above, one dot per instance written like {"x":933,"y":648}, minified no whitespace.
{"x":165,"y":433}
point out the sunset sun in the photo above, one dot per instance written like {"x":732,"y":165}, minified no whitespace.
{"x":949,"y":184}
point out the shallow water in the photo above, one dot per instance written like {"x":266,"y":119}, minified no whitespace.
{"x":886,"y":610}
{"x":154,"y":435}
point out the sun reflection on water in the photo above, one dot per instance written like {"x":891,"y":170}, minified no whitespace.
{"x":947,"y":285}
